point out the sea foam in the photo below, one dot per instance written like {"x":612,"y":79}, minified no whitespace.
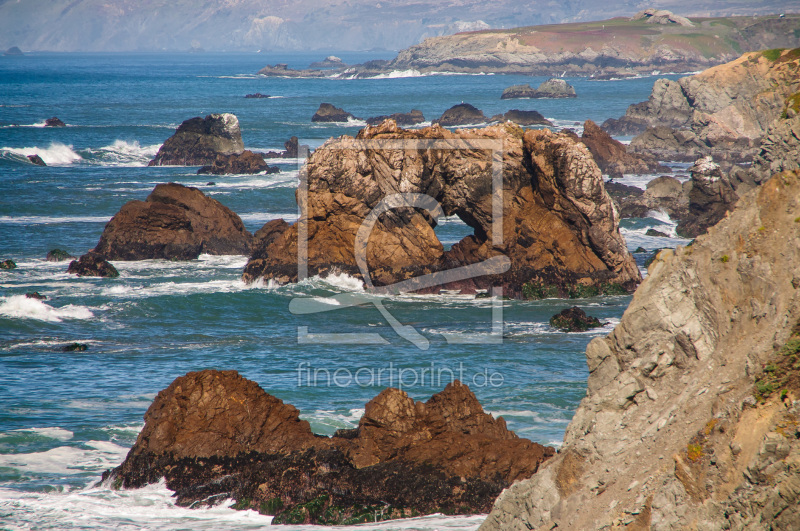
{"x":57,"y":154}
{"x":22,"y":307}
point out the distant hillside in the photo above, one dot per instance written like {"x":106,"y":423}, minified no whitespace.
{"x":216,"y":25}
{"x":618,"y":46}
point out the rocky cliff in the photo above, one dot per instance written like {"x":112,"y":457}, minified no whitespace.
{"x":559,"y":226}
{"x":725,"y":111}
{"x":691,"y":416}
{"x":214,"y":435}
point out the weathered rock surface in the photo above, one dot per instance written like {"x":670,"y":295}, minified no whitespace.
{"x":523,"y":118}
{"x":58,"y":255}
{"x":54,"y":122}
{"x":662,"y":193}
{"x":198,"y":141}
{"x":711,"y":196}
{"x":292,"y":150}
{"x":669,"y":435}
{"x":329,"y":113}
{"x":215,"y":435}
{"x":574,"y":320}
{"x":8,"y":264}
{"x":612,"y":157}
{"x":780,"y":149}
{"x":175,"y":222}
{"x":461,"y":114}
{"x":283,"y":70}
{"x":245,"y":162}
{"x":92,"y":264}
{"x":724,"y":111}
{"x":36,"y":159}
{"x":560,"y":227}
{"x":662,"y":16}
{"x":401,"y":118}
{"x":552,"y":88}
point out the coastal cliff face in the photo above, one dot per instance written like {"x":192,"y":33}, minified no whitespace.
{"x":691,"y":414}
{"x":724,"y":111}
{"x":559,"y":226}
{"x":611,"y":47}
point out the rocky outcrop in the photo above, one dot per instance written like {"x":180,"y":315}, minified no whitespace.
{"x":401,"y":118}
{"x":92,"y":264}
{"x":37,"y":160}
{"x":58,"y":255}
{"x":8,"y":264}
{"x":724,"y":111}
{"x":54,"y":122}
{"x":215,"y":435}
{"x":14,"y":50}
{"x":283,"y":70}
{"x":245,"y":162}
{"x":329,"y":62}
{"x":256,"y":96}
{"x":691,"y":412}
{"x":292,"y":150}
{"x":612,"y":157}
{"x":780,"y":149}
{"x":662,"y":193}
{"x":662,"y":16}
{"x":523,"y":118}
{"x":574,"y":320}
{"x":461,"y":114}
{"x":559,"y":228}
{"x":329,"y":113}
{"x":552,"y":88}
{"x":198,"y":141}
{"x":175,"y":222}
{"x":711,"y":196}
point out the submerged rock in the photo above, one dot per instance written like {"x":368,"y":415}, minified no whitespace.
{"x":75,"y":347}
{"x":175,"y":222}
{"x":329,"y":113}
{"x":256,"y":96}
{"x":684,"y":424}
{"x":58,"y":255}
{"x":552,"y":88}
{"x":36,"y":296}
{"x":36,"y":159}
{"x":215,"y":435}
{"x":198,"y":141}
{"x":574,"y":320}
{"x":559,"y":225}
{"x":401,"y":118}
{"x":246,"y":162}
{"x":8,"y":264}
{"x":461,"y":114}
{"x":92,"y":264}
{"x":54,"y":122}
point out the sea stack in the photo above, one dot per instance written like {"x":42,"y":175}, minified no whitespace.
{"x":198,"y":141}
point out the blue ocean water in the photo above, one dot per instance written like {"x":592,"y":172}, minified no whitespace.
{"x":67,"y":416}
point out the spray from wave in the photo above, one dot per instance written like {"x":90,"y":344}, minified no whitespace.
{"x":57,"y":154}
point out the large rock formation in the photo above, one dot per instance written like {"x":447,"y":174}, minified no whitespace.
{"x":711,"y":196}
{"x":175,"y":222}
{"x":559,"y":227}
{"x":198,"y":141}
{"x":329,"y":113}
{"x":461,"y":114}
{"x":612,"y":157}
{"x":691,"y":416}
{"x":215,"y":435}
{"x":724,"y":111}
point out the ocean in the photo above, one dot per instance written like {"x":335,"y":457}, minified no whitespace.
{"x":65,"y":417}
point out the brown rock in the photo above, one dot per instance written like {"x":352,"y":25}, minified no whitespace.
{"x":461,"y":114}
{"x":175,"y":222}
{"x":246,"y":162}
{"x":213,"y":434}
{"x":711,"y":196}
{"x":559,"y":225}
{"x":330,"y":113}
{"x":54,"y":122}
{"x":612,"y":157}
{"x":198,"y":141}
{"x":37,"y":160}
{"x":92,"y":264}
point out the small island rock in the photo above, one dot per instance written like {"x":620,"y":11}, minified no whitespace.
{"x":92,"y":264}
{"x":329,"y":113}
{"x":198,"y":141}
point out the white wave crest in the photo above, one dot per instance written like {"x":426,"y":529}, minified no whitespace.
{"x":59,"y":434}
{"x":399,"y":74}
{"x":67,"y":460}
{"x":21,"y":307}
{"x":57,"y":154}
{"x":356,"y":122}
{"x":124,"y":153}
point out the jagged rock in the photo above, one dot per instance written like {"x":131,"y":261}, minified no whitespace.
{"x":246,"y":162}
{"x":560,"y":227}
{"x":402,"y":118}
{"x":36,"y":159}
{"x":670,"y":195}
{"x":36,"y":296}
{"x":256,"y":96}
{"x":214,"y":433}
{"x":292,"y":150}
{"x":461,"y":114}
{"x":780,"y":149}
{"x":329,"y":62}
{"x":175,"y":222}
{"x":329,"y":113}
{"x":629,"y":199}
{"x":724,"y":111}
{"x":58,"y":255}
{"x":711,"y":196}
{"x":669,"y":435}
{"x":54,"y":122}
{"x":8,"y":264}
{"x":656,"y":233}
{"x":92,"y":264}
{"x":612,"y":157}
{"x":552,"y":88}
{"x":198,"y":141}
{"x":522,"y":118}
{"x":574,"y":320}
{"x":662,"y":16}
